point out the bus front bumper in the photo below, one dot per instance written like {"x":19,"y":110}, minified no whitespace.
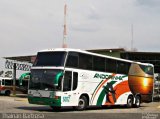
{"x":45,"y":101}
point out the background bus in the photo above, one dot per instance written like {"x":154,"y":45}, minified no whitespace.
{"x":6,"y":86}
{"x":69,"y":77}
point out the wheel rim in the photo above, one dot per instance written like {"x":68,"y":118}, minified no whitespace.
{"x":137,"y":101}
{"x":130,"y":102}
{"x":81,"y":103}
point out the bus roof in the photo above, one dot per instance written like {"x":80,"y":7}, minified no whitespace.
{"x":94,"y":54}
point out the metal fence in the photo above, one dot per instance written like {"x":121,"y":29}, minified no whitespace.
{"x":156,"y":96}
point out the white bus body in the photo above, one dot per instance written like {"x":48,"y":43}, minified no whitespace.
{"x":69,"y":77}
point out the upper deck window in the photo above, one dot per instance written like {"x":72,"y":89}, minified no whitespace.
{"x":50,"y":59}
{"x":72,"y":60}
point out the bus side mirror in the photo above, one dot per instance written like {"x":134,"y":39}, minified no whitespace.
{"x":24,"y":76}
{"x":57,"y":79}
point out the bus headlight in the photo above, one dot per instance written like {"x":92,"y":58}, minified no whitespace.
{"x":145,"y":82}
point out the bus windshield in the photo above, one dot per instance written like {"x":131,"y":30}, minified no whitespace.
{"x":45,"y":79}
{"x":147,"y":69}
{"x":50,"y":59}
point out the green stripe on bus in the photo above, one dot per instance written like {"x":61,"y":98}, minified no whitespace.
{"x":44,"y":101}
{"x":97,"y":87}
{"x":102,"y":94}
{"x":101,"y":97}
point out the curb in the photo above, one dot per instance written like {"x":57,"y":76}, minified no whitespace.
{"x":24,"y":100}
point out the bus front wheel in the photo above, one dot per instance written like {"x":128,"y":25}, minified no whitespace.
{"x":82,"y":103}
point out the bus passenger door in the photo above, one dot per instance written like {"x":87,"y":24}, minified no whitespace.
{"x":69,"y":86}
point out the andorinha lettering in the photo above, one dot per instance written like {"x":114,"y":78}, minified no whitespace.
{"x":106,"y":76}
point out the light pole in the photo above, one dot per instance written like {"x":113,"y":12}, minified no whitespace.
{"x":14,"y":79}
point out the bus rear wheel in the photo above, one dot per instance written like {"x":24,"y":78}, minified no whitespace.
{"x":137,"y":101}
{"x":82,"y":103}
{"x":130,"y":102}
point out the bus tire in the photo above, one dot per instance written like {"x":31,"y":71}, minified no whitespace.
{"x":82,"y":103}
{"x":130,"y":101}
{"x":7,"y":93}
{"x":137,"y":101}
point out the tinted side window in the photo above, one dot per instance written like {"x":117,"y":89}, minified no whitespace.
{"x":111,"y":65}
{"x":3,"y":82}
{"x":67,"y":81}
{"x":75,"y":80}
{"x":123,"y":67}
{"x":72,"y":60}
{"x":85,"y":61}
{"x":98,"y":63}
{"x":17,"y":82}
{"x":8,"y":82}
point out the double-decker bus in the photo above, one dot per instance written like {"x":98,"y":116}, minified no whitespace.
{"x":72,"y":77}
{"x":6,"y":86}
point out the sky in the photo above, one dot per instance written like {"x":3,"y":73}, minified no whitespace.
{"x":27,"y":26}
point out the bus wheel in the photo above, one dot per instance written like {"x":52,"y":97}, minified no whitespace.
{"x":130,"y":102}
{"x":7,"y":93}
{"x":82,"y":103}
{"x":137,"y":101}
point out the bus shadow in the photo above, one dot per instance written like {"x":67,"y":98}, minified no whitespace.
{"x":71,"y":109}
{"x":46,"y":109}
{"x":35,"y":108}
{"x":3,"y":95}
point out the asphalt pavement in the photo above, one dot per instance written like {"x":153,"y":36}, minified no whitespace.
{"x":18,"y":107}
